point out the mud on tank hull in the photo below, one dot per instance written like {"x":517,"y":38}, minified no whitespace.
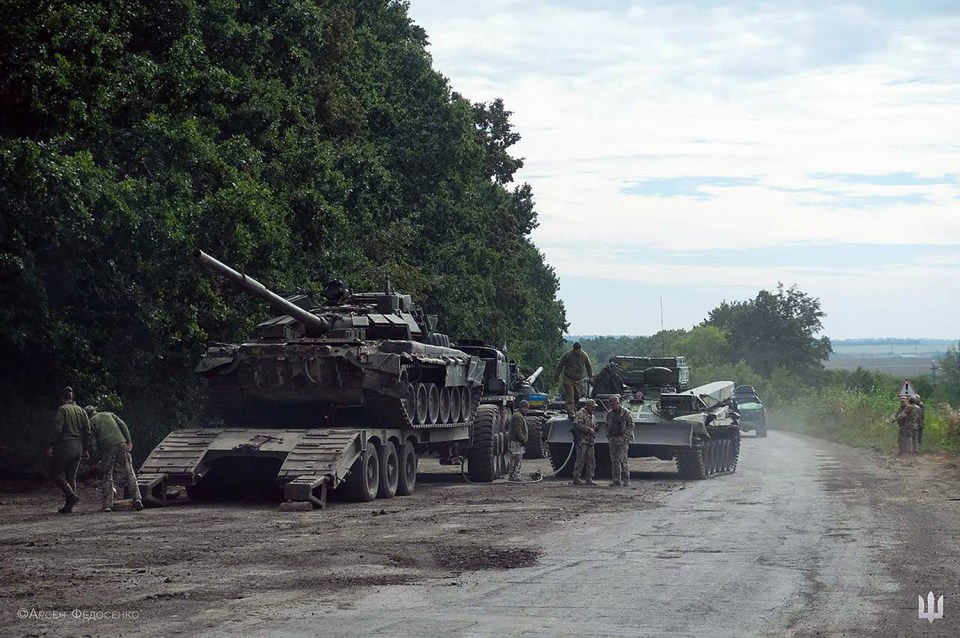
{"x":317,"y":382}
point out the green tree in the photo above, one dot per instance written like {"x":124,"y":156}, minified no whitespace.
{"x":703,"y":346}
{"x":775,"y":330}
{"x":298,"y":141}
{"x":948,"y":380}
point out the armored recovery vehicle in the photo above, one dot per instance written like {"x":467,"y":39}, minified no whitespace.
{"x":344,"y":395}
{"x":697,"y":427}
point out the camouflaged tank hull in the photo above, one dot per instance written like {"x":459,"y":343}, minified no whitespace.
{"x":316,"y":382}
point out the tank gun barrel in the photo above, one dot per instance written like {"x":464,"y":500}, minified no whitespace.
{"x":533,"y":377}
{"x":311,"y":321}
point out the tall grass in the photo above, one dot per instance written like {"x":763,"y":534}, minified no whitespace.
{"x":863,"y":419}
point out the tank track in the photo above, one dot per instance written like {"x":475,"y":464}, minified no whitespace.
{"x":709,"y":458}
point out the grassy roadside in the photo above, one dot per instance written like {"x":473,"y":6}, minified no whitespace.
{"x":864,"y":419}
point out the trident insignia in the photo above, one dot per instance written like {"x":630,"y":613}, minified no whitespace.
{"x":933,"y":610}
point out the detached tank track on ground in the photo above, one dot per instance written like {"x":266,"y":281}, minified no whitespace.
{"x":709,"y":458}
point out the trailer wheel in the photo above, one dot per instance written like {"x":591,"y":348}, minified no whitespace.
{"x":481,"y":463}
{"x":364,"y":480}
{"x":407,"y":478}
{"x":505,"y":435}
{"x":389,"y":470}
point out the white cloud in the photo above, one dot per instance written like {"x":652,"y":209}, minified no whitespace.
{"x":778,"y":98}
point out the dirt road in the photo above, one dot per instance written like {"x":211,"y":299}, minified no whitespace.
{"x":807,"y":538}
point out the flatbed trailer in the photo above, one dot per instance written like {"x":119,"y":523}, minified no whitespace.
{"x":365,"y":463}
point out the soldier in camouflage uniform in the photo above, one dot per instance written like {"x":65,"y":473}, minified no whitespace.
{"x":573,"y":368}
{"x":71,"y":428}
{"x":908,"y":417}
{"x":585,"y":431}
{"x":518,"y":440}
{"x":620,"y":436}
{"x":113,"y":443}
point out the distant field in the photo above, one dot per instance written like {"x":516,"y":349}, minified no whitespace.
{"x":900,"y":359}
{"x":891,"y":349}
{"x":902,"y":366}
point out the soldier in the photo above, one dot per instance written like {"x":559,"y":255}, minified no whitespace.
{"x":113,"y":446}
{"x":71,"y":427}
{"x":620,"y":436}
{"x":573,"y":367}
{"x":585,"y":431}
{"x":908,"y":416}
{"x":923,"y":416}
{"x":518,"y":440}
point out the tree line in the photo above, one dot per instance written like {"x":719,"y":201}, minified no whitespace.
{"x":298,"y":141}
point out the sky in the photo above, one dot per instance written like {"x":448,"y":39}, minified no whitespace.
{"x":703,"y":151}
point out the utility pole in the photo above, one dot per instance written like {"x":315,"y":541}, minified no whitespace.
{"x":933,"y":371}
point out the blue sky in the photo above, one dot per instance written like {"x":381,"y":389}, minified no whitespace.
{"x":704,"y":151}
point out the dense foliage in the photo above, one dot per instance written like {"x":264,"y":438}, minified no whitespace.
{"x":775,"y":330}
{"x":297,"y":141}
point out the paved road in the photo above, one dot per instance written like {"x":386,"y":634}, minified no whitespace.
{"x":807,"y":538}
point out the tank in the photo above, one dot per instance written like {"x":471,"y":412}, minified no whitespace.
{"x":353,"y":360}
{"x":696,"y":427}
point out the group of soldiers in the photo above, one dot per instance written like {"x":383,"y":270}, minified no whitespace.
{"x":910,"y":418}
{"x":573,"y":368}
{"x":619,"y":424}
{"x":76,"y":431}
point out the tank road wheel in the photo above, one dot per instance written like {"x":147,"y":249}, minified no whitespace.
{"x":709,"y":457}
{"x":454,"y":394}
{"x":433,"y":403}
{"x":444,"y":405}
{"x":690,"y":461}
{"x":407,"y":479}
{"x":364,"y":480}
{"x":389,"y":470}
{"x":480,"y":457}
{"x":536,"y":447}
{"x":468,"y":404}
{"x":421,"y":403}
{"x":409,"y":401}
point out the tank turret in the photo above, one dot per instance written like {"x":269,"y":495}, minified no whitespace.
{"x":358,"y":359}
